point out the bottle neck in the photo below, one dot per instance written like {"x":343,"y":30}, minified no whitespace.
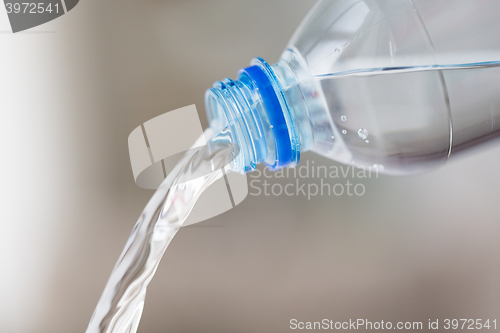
{"x":258,"y":115}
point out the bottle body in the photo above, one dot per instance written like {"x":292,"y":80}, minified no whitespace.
{"x":397,"y":85}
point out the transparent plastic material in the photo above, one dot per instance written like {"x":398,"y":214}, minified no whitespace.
{"x":400,"y":85}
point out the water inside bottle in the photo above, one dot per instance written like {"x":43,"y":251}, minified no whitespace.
{"x":403,"y":118}
{"x":120,"y":307}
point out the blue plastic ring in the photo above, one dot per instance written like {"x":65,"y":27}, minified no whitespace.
{"x":275,"y":113}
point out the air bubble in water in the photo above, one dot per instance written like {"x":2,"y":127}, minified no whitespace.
{"x":363,"y":133}
{"x":367,"y":141}
{"x":343,"y":118}
{"x":344,"y":132}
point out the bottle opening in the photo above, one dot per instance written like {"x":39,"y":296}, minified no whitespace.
{"x":254,"y":108}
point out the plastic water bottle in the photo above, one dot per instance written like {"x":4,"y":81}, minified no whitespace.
{"x":399,"y":85}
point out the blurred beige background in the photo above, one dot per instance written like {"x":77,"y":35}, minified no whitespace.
{"x":410,"y":249}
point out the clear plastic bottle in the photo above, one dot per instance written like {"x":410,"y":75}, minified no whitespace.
{"x":400,"y":85}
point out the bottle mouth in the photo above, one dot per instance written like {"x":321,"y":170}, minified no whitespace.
{"x":255,"y":109}
{"x":226,"y":112}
